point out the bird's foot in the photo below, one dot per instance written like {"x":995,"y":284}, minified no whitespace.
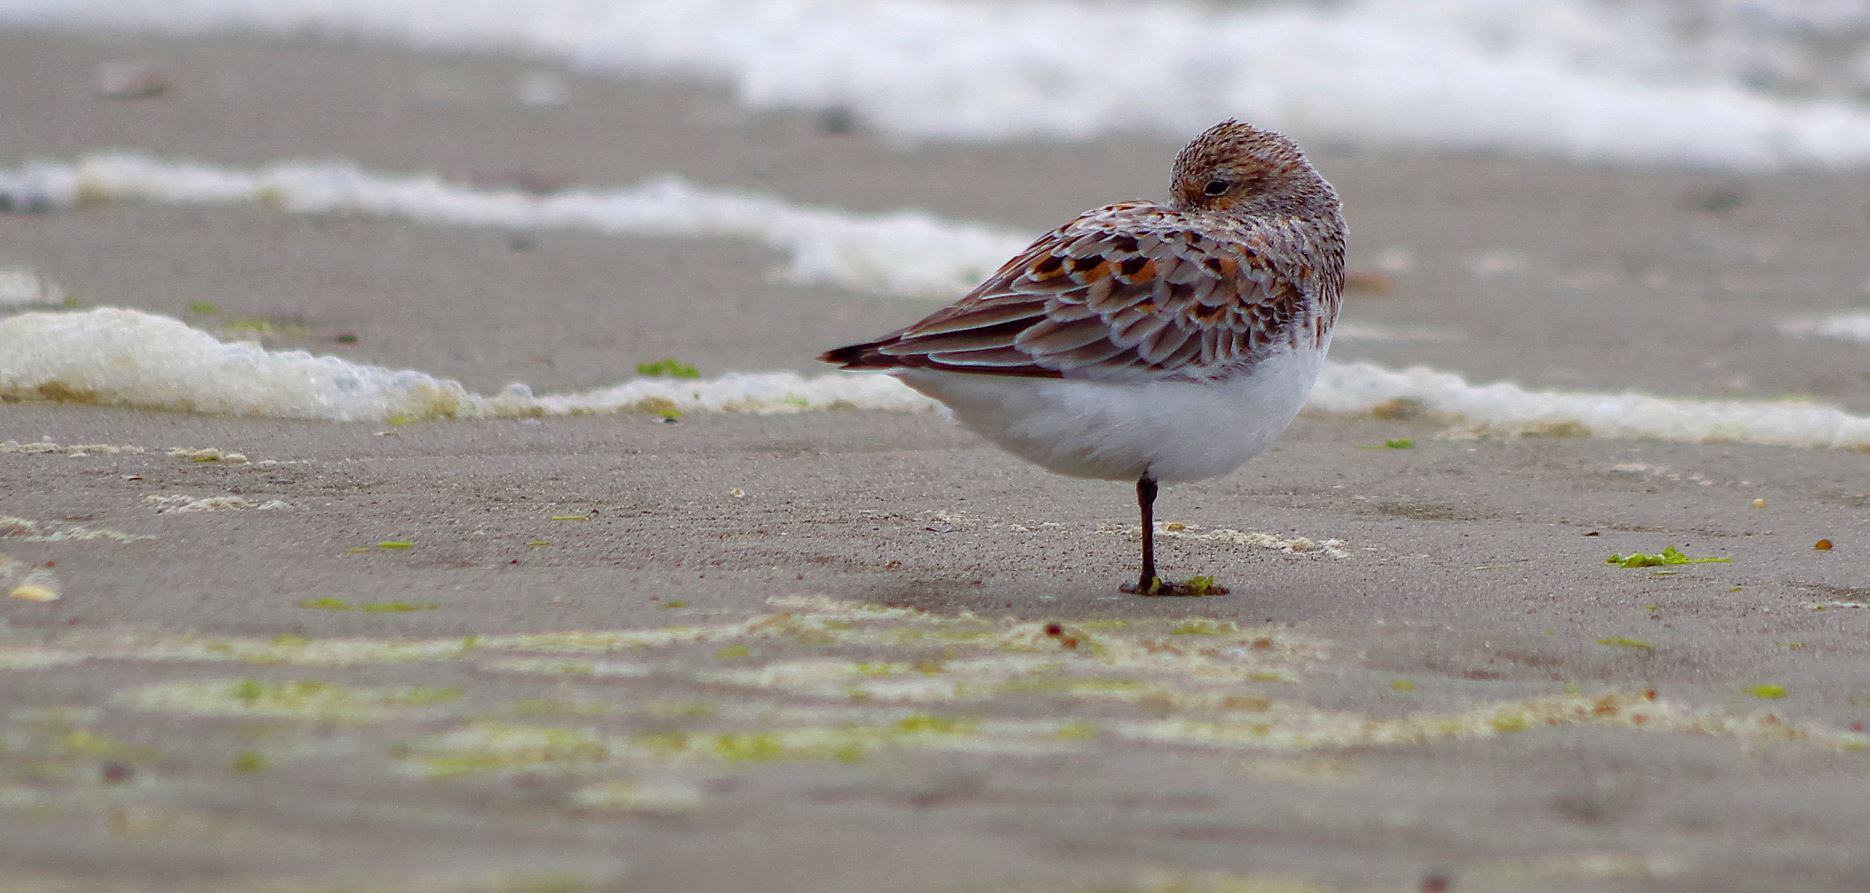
{"x":1193,"y":586}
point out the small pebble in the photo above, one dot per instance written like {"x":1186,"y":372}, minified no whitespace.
{"x":1759,"y":503}
{"x":1822,"y":545}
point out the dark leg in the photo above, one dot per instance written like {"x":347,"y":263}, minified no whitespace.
{"x":1148,"y":583}
{"x":1146,"y":501}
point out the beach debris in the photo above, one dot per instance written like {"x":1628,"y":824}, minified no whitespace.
{"x":1668,"y":555}
{"x":570,"y":518}
{"x":34,"y":585}
{"x":129,"y":80}
{"x":737,"y":493}
{"x":1759,"y":503}
{"x":34,"y":592}
{"x":397,"y":544}
{"x":21,"y":287}
{"x":1822,"y":545}
{"x":667,"y":367}
{"x":210,"y":454}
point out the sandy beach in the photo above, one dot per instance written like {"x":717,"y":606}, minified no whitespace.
{"x":856,"y":651}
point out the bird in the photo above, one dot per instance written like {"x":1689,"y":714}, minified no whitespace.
{"x":1156,"y":341}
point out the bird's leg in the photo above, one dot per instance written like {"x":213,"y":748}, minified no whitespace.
{"x":1147,"y":584}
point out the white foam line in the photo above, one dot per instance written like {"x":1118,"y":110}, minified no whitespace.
{"x":125,"y":357}
{"x":905,"y":252}
{"x":1558,"y":77}
{"x":1852,"y":327}
{"x":1506,"y":407}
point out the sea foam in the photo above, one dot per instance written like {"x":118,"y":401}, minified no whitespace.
{"x":1852,"y":327}
{"x":904,"y":252}
{"x":126,"y":357}
{"x":1572,"y":78}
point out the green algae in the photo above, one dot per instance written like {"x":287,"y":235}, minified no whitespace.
{"x":1204,"y":628}
{"x":337,"y":604}
{"x":1626,"y":642}
{"x":1668,"y":555}
{"x":732,"y":652}
{"x":1767,"y":692}
{"x":667,"y":367}
{"x":248,"y":761}
{"x":294,"y":699}
{"x":489,"y":746}
{"x":1402,"y":684}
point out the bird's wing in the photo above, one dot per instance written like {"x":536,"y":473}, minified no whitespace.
{"x":1129,"y":291}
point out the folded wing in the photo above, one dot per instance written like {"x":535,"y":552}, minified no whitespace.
{"x":1130,"y":291}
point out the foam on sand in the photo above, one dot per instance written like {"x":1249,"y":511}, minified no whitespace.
{"x":1852,"y":327}
{"x":904,"y":252}
{"x":1627,"y":82}
{"x":125,"y":357}
{"x":121,"y":357}
{"x":1508,"y":408}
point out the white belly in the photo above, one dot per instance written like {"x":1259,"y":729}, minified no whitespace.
{"x":1115,"y":430}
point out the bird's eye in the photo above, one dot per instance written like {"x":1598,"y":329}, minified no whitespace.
{"x":1215,"y":187}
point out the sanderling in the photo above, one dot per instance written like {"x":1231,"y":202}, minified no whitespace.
{"x":1145,"y":341}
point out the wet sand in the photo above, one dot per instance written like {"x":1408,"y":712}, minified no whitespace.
{"x":816,"y":652}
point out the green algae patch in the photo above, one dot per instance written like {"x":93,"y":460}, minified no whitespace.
{"x":732,"y":652}
{"x":1077,"y":731}
{"x":288,"y":699}
{"x":396,"y":544}
{"x":667,"y":367}
{"x":1626,"y":642}
{"x":493,"y":747}
{"x":1402,"y":685}
{"x":673,"y":604}
{"x":569,"y":518}
{"x":1668,"y":555}
{"x":563,"y":666}
{"x":1767,"y":692}
{"x":1205,"y":628}
{"x":1201,"y":585}
{"x":337,"y":604}
{"x":248,"y":761}
{"x":850,"y":743}
{"x":640,"y":796}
